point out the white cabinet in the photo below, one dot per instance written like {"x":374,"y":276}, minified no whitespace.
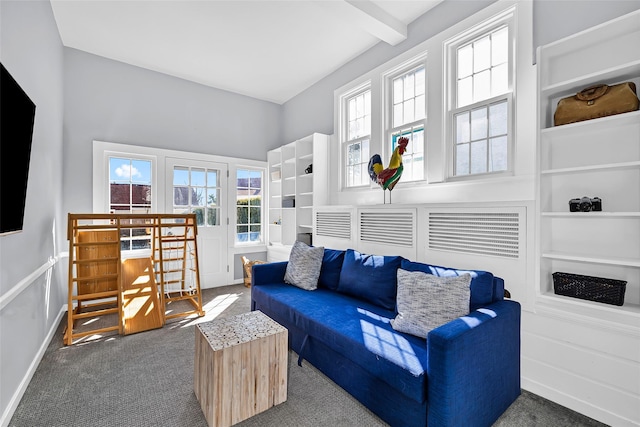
{"x":298,"y":181}
{"x":594,"y":158}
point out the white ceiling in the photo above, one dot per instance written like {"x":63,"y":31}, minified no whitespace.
{"x":266,"y":49}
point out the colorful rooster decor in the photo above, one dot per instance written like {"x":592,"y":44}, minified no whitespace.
{"x":389,"y":177}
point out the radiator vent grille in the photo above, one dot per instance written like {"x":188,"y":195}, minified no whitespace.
{"x":334,"y":224}
{"x":391,"y":228}
{"x":485,"y":233}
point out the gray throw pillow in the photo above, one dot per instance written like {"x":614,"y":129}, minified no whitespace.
{"x":425,"y":301}
{"x":303,"y":269}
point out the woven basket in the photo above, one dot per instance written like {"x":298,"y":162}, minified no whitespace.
{"x":598,"y":289}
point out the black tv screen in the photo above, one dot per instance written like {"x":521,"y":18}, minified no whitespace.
{"x":17,"y":114}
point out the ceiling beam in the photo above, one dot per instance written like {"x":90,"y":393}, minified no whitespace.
{"x":370,"y":17}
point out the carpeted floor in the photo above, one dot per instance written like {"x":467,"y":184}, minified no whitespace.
{"x":146,"y":379}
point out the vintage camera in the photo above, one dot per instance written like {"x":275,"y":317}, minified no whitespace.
{"x":585,"y":204}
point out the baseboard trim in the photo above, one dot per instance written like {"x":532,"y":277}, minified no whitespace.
{"x":17,"y":396}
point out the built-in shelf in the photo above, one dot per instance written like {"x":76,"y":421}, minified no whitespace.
{"x":607,"y":166}
{"x":571,"y":128}
{"x":308,"y":189}
{"x":627,"y":262}
{"x":600,"y":157}
{"x":614,"y":74}
{"x":587,"y":215}
{"x":587,"y":308}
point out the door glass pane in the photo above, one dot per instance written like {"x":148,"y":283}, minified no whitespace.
{"x":197,"y":177}
{"x":212,"y":217}
{"x":200,"y":212}
{"x":198,"y":196}
{"x":196,"y":190}
{"x":212,"y":197}
{"x":180,"y":176}
{"x":180,"y":196}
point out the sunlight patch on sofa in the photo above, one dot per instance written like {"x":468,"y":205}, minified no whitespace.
{"x":387,"y":344}
{"x":472,"y":322}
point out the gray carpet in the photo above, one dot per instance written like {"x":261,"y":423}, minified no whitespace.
{"x":146,"y":379}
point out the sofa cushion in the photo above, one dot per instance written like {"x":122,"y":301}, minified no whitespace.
{"x":426,"y":301}
{"x":303,"y":269}
{"x":482,"y":288}
{"x":372,"y":278}
{"x":331,"y":267}
{"x":354,"y":328}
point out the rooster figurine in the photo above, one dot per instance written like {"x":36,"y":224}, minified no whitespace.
{"x":389,"y":177}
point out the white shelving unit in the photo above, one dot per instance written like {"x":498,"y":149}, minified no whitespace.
{"x":274,"y":217}
{"x":594,"y":158}
{"x":293,"y":192}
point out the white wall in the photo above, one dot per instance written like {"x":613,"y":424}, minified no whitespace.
{"x":111,"y":101}
{"x":32,"y":287}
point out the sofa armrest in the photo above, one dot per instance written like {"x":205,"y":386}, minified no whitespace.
{"x":263,"y":274}
{"x":474,"y":366}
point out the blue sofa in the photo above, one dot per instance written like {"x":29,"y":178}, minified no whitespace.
{"x":466,"y":373}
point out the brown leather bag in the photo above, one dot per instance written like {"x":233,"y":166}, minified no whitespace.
{"x":597,"y":101}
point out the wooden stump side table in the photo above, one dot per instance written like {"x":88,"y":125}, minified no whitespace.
{"x":240,"y":367}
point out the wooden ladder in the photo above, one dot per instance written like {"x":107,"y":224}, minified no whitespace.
{"x":134,"y":292}
{"x":175,"y":258}
{"x":94,"y":274}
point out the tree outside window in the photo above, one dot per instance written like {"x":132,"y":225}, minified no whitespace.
{"x":249,"y":206}
{"x":408,"y":115}
{"x":197,"y":190}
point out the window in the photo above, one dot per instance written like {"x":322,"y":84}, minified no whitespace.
{"x":482,"y":107}
{"x":457,"y":97}
{"x":249,"y":206}
{"x":408,"y":114}
{"x":197,"y":190}
{"x":130,"y":191}
{"x":356,"y":138}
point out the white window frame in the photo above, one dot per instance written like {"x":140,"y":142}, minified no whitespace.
{"x":438,"y":133}
{"x":505,"y":19}
{"x":190,"y":206}
{"x":390,"y":130}
{"x":262,"y":208}
{"x":154,"y":189}
{"x":103,"y":150}
{"x":345,"y":142}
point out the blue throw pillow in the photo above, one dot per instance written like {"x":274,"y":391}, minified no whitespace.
{"x":372,"y":278}
{"x":331,"y":267}
{"x":481,"y":281}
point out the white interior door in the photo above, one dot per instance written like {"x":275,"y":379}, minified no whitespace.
{"x":200,"y":187}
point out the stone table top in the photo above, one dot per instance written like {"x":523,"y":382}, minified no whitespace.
{"x":242,"y":328}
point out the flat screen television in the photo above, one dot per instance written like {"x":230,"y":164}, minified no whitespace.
{"x":17,"y":115}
